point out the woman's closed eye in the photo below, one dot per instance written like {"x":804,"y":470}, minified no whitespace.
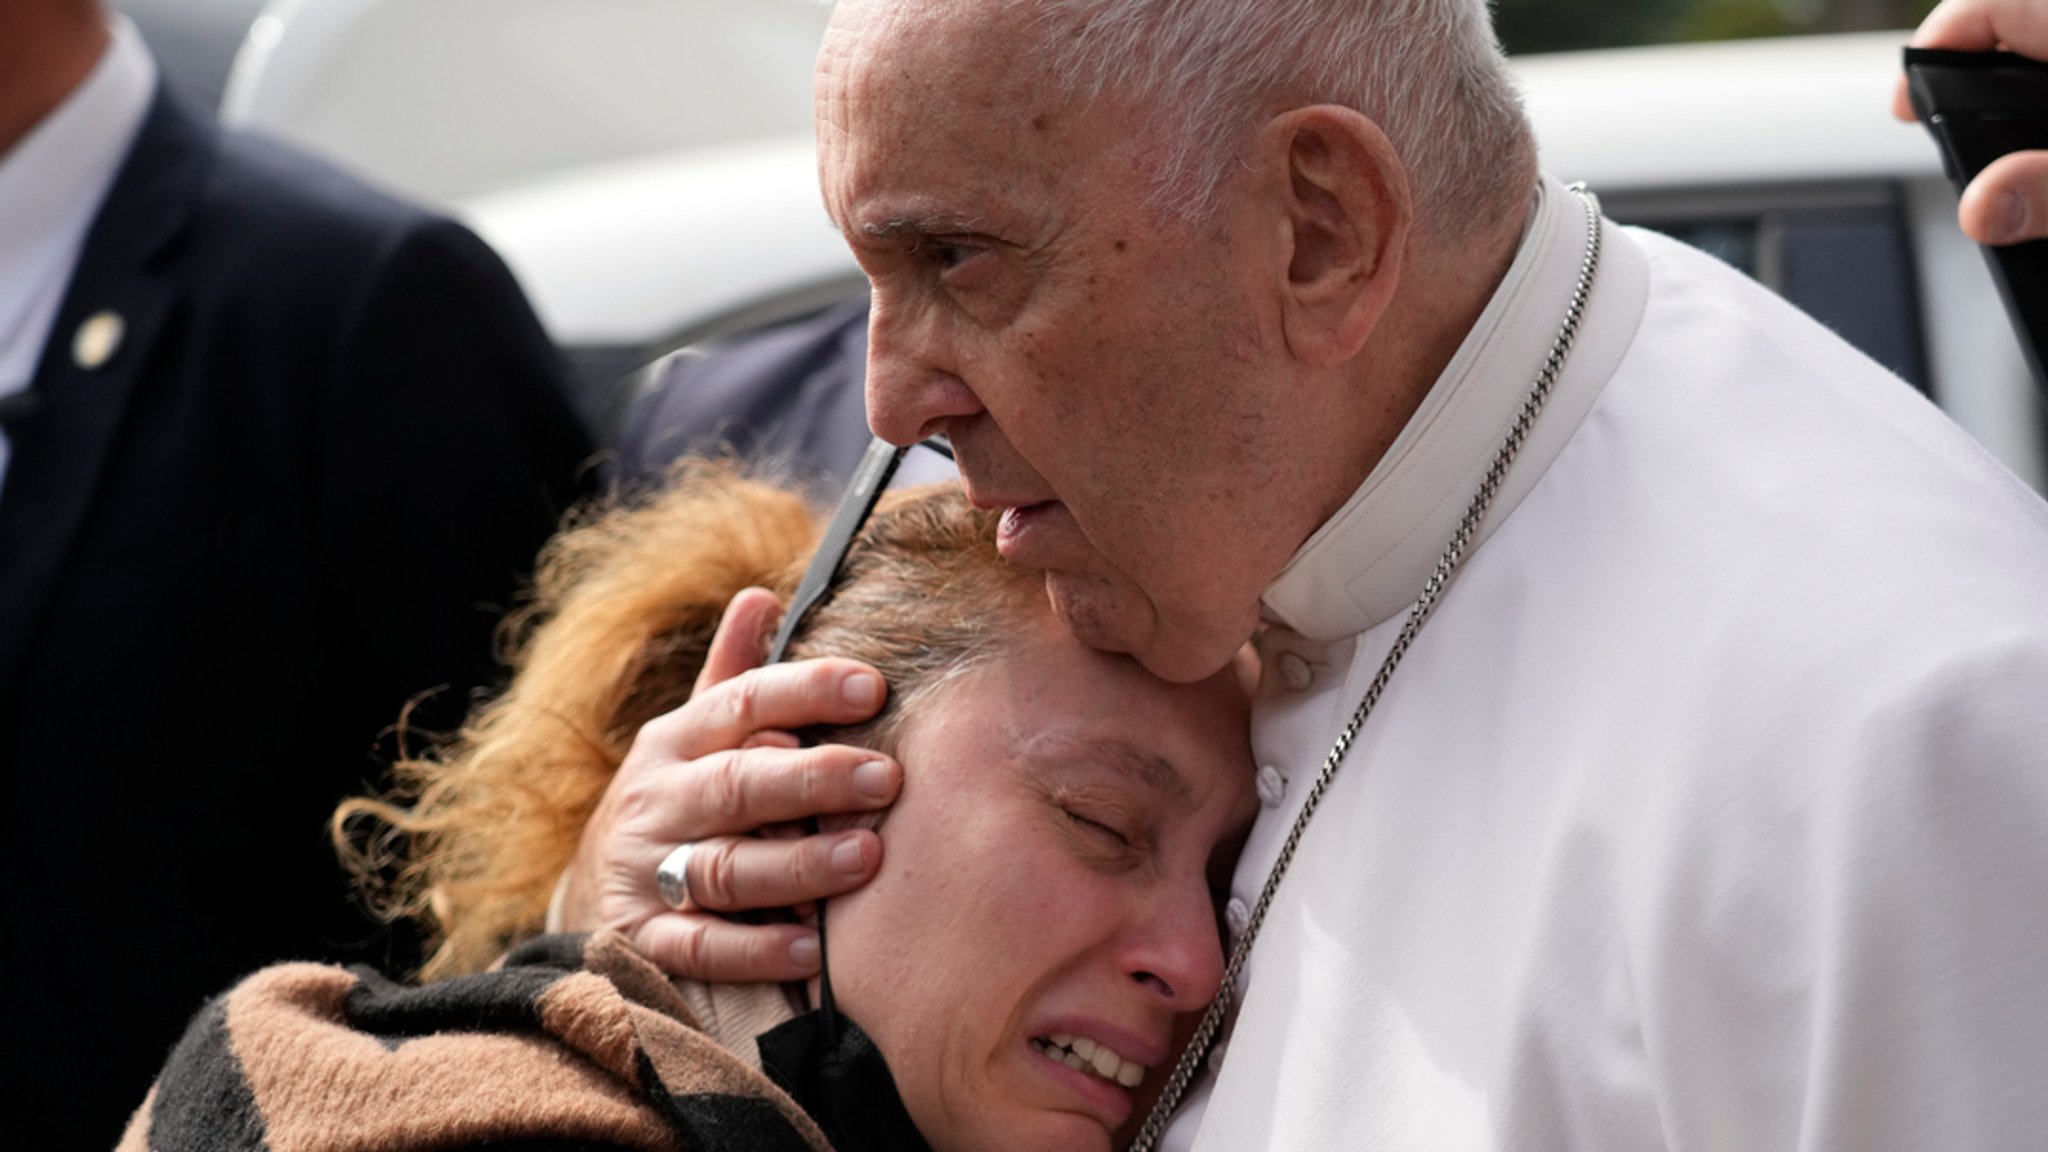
{"x":1096,"y":827}
{"x":1110,"y":809}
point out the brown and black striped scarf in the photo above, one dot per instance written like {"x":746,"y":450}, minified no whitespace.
{"x":573,"y":1043}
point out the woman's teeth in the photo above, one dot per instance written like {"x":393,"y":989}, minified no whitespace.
{"x":1091,"y":1056}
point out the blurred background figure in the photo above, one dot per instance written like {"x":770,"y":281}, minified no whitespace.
{"x":276,"y":449}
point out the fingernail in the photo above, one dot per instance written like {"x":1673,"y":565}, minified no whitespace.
{"x":873,"y":780}
{"x":803,"y":952}
{"x":846,"y":856}
{"x":2009,"y":223}
{"x":862,"y":689}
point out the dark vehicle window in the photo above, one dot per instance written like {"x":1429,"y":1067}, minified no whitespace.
{"x":1843,"y":256}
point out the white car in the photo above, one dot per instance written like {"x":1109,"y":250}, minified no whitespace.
{"x":646,"y":168}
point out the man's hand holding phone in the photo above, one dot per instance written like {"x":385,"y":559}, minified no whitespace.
{"x":2007,"y":202}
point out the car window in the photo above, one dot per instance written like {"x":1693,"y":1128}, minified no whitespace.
{"x":1843,"y":255}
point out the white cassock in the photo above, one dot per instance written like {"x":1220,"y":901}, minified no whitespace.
{"x":1710,"y":810}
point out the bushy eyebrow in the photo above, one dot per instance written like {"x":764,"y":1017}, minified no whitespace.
{"x":919,"y":227}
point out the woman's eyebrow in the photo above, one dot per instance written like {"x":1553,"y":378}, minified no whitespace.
{"x":1141,"y":766}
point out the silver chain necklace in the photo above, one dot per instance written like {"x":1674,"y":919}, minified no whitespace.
{"x":1447,"y":564}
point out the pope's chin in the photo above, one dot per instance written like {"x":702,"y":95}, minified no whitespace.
{"x":1112,"y":616}
{"x":1099,"y":614}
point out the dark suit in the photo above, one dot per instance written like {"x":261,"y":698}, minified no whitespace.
{"x":326,"y":446}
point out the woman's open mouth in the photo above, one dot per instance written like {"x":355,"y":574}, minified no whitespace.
{"x":1085,"y":1054}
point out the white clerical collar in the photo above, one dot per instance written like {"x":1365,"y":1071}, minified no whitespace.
{"x":53,"y":179}
{"x":1369,"y":561}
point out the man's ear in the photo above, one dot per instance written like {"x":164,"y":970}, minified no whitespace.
{"x":1347,"y":213}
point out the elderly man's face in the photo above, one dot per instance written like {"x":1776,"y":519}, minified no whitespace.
{"x":1109,"y":375}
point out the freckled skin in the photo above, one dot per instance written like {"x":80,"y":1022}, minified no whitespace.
{"x":1121,"y":369}
{"x":997,"y":913}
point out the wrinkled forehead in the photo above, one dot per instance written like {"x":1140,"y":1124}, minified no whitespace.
{"x":948,"y":111}
{"x":906,"y":62}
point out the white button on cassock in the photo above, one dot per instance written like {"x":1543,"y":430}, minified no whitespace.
{"x":1216,"y":1057}
{"x":1272,"y":785}
{"x":1236,"y":915}
{"x":1295,"y":672}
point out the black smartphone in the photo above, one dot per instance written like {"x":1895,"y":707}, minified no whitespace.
{"x":877,"y":466}
{"x":1981,"y":106}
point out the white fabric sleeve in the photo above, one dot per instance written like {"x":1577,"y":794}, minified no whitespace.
{"x":1877,"y":979}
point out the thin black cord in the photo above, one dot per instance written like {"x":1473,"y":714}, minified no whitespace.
{"x":869,"y":479}
{"x":828,"y":1008}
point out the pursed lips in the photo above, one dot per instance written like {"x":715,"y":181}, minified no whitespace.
{"x":1022,"y":509}
{"x":985,"y":498}
{"x":990,"y":487}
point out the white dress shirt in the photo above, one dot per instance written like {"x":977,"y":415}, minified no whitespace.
{"x":1710,"y":810}
{"x":51,"y":186}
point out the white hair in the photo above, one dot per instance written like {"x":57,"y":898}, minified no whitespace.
{"x":1430,"y":73}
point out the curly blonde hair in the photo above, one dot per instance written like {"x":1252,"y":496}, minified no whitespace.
{"x":472,"y":837}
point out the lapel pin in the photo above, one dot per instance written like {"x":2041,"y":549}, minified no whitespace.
{"x":97,"y":340}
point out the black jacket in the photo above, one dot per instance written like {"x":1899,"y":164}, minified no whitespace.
{"x":325,"y":448}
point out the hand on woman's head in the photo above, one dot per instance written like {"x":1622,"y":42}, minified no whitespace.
{"x":713,"y":772}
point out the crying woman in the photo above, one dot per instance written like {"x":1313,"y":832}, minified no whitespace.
{"x":1016,"y":978}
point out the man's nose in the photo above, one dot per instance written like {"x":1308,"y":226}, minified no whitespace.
{"x":913,"y":389}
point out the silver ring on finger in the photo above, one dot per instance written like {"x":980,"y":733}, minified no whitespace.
{"x":672,"y":879}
